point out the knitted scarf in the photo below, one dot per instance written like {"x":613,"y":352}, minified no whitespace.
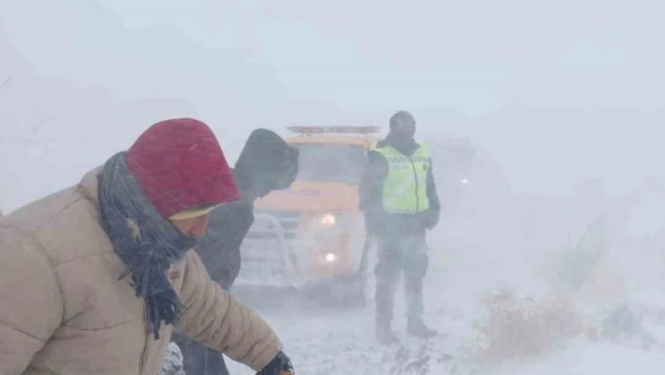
{"x":146,"y":242}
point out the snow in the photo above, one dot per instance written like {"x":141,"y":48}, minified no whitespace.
{"x":172,"y":364}
{"x":499,"y":302}
{"x":572,"y":115}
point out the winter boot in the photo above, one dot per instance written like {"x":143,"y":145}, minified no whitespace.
{"x":384,"y":333}
{"x":385,"y":291}
{"x":416,"y":328}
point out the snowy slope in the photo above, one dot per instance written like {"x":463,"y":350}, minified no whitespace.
{"x":496,"y":294}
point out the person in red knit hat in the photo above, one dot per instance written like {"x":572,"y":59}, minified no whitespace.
{"x":180,"y":165}
{"x":96,"y":277}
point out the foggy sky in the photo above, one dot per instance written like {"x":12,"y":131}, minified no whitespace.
{"x":538,"y":86}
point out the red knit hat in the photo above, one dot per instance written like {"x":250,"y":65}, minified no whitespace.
{"x":180,"y":166}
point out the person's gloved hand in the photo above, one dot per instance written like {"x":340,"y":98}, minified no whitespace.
{"x":280,"y":365}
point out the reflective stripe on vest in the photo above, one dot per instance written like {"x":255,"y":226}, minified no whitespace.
{"x":405,"y":187}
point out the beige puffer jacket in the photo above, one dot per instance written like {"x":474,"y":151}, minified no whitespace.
{"x":64,"y":311}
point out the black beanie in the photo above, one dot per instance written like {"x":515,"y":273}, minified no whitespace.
{"x":402,"y":117}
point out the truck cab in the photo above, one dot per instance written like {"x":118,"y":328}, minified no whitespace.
{"x":314,"y":232}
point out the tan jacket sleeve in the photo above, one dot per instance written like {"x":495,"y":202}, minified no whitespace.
{"x":31,"y":306}
{"x":212,"y":317}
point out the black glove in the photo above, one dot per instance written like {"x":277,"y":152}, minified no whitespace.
{"x":280,"y":365}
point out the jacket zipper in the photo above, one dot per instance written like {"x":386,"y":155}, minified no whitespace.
{"x":144,"y":352}
{"x":415,"y":177}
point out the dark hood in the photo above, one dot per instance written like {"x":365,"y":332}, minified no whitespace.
{"x":266,"y":163}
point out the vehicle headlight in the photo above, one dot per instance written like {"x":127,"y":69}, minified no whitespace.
{"x":330,"y":257}
{"x":328,"y":220}
{"x":464,"y":181}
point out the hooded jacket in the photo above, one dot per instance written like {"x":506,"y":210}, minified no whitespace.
{"x":266,"y":163}
{"x":371,"y":195}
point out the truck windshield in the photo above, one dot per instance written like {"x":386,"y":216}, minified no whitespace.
{"x":330,"y":163}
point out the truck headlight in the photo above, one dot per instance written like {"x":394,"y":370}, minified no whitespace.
{"x":327,"y":220}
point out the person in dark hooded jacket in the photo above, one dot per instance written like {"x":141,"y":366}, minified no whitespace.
{"x":266,"y":163}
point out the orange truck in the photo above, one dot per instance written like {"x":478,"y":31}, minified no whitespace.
{"x":313,"y":234}
{"x":311,"y":237}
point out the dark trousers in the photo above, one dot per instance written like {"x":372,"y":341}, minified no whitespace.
{"x":400,"y":253}
{"x":199,"y":359}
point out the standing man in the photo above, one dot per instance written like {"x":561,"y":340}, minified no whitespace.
{"x":398,"y":196}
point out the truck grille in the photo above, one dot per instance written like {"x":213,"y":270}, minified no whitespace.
{"x":262,"y":229}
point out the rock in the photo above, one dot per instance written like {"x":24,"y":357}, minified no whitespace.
{"x":173,"y":362}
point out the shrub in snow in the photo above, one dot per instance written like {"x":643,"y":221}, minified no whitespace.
{"x":578,"y":261}
{"x":628,"y":324}
{"x":519,"y":329}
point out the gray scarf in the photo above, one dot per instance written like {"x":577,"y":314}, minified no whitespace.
{"x":146,"y":242}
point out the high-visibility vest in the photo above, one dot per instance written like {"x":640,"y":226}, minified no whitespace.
{"x":405,"y":187}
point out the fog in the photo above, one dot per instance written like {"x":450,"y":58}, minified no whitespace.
{"x":565,"y":100}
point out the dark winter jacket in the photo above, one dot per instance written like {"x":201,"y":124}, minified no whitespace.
{"x":266,"y":163}
{"x":371,"y":195}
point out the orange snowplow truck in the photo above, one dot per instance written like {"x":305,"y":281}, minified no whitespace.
{"x":313,"y":234}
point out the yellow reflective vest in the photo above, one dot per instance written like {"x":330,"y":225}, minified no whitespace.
{"x":405,"y":186}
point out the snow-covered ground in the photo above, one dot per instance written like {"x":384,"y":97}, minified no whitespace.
{"x":508,"y":298}
{"x":576,"y":96}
